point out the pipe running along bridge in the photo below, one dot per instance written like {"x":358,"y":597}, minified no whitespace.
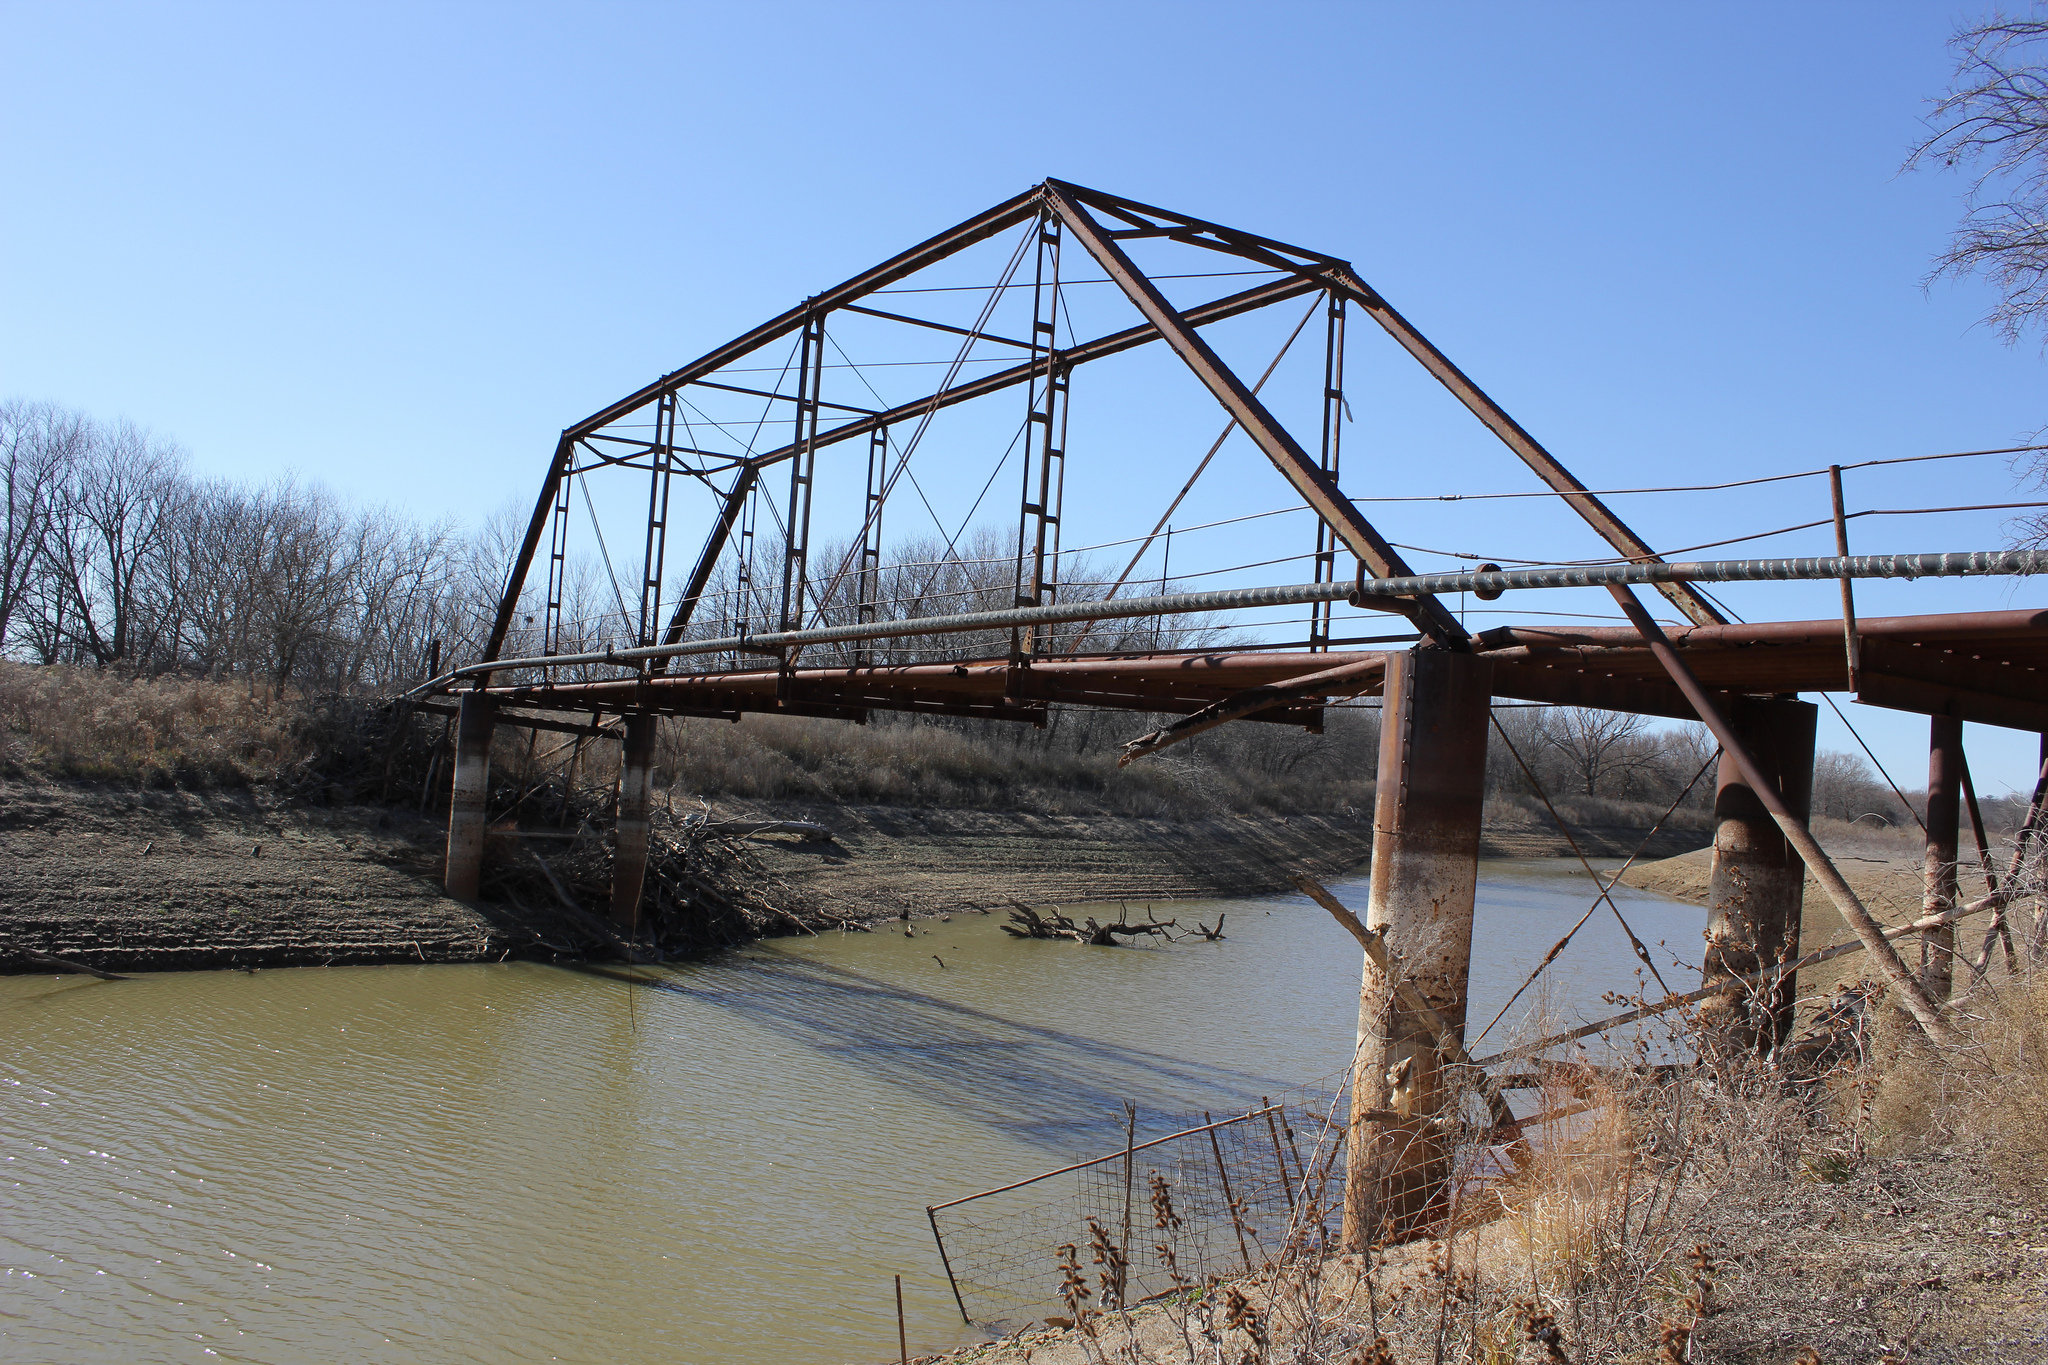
{"x":771,"y":618}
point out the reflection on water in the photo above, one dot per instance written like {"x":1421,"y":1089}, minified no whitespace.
{"x":520,"y":1162}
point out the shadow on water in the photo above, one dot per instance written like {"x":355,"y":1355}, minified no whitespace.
{"x":1053,"y":1088}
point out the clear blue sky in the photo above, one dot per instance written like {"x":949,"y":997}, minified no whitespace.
{"x":397,"y":248}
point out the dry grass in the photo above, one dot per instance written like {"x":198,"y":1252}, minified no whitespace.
{"x":1885,"y":1211}
{"x":85,"y":723}
{"x":915,"y":764}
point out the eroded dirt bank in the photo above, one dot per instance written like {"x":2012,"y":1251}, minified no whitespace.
{"x":127,"y":879}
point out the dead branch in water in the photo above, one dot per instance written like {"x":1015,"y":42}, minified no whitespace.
{"x":1028,"y":923}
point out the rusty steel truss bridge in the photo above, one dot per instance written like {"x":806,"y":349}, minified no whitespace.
{"x":771,"y":617}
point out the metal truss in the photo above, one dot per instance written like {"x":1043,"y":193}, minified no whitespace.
{"x":1065,"y":215}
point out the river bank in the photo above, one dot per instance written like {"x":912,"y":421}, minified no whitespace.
{"x":128,"y":878}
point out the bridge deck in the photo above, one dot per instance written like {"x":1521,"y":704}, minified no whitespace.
{"x":1980,"y":666}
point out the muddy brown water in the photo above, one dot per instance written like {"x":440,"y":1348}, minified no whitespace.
{"x":525,"y":1163}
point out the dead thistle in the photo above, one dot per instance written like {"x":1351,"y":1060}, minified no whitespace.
{"x":1074,"y":1291}
{"x":1163,"y":1215}
{"x":1379,"y":1353}
{"x":1114,"y":1265}
{"x":1238,"y":1313}
{"x":1539,"y":1326}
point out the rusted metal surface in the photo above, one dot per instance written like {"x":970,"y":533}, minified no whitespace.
{"x":1348,"y":678}
{"x":1317,"y":489}
{"x":1916,"y":1000}
{"x":1595,"y":512}
{"x":1944,"y":828}
{"x":467,"y":818}
{"x":1757,"y":881}
{"x":1425,"y":871}
{"x":629,"y":860}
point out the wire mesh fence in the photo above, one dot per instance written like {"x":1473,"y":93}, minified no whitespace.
{"x":1218,"y":1197}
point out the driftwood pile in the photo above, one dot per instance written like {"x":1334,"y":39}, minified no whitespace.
{"x":1025,"y":922}
{"x":705,"y":890}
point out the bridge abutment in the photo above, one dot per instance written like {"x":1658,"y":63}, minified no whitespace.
{"x":629,"y":858}
{"x":1757,"y":883}
{"x":1425,"y":871}
{"x":475,"y":723}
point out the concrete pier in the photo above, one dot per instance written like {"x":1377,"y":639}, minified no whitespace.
{"x":474,"y":724}
{"x":1425,"y":869}
{"x":1757,"y":884}
{"x":629,"y":859}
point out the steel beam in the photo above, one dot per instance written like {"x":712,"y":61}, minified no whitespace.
{"x":1287,"y":455}
{"x":1495,"y":418}
{"x":1425,"y":875}
{"x":1916,"y":1000}
{"x":1338,"y":275}
{"x":1201,"y":315}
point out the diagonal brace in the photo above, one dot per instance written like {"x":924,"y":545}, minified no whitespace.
{"x":1294,"y":463}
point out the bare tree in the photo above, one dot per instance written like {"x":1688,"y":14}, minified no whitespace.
{"x":1993,"y":122}
{"x":1993,"y":125}
{"x":38,"y":444}
{"x":1595,"y":746}
{"x":110,"y":519}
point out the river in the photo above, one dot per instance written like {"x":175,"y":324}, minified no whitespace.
{"x":523,"y":1163}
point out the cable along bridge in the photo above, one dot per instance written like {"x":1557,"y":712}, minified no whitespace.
{"x":774,"y":617}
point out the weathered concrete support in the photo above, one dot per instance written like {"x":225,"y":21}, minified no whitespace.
{"x":629,"y":859}
{"x":474,"y":725}
{"x":1758,"y":881}
{"x":1425,"y":869}
{"x":1944,"y":828}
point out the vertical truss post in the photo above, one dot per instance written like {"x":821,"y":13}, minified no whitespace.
{"x":558,"y":563}
{"x":868,"y":586}
{"x":743,"y":593}
{"x":1333,"y":430}
{"x":810,"y":375}
{"x":1045,"y":459}
{"x":662,"y":459}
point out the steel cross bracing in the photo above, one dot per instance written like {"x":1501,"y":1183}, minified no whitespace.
{"x":799,"y":420}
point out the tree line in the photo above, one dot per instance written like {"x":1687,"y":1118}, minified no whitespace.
{"x":115,"y":555}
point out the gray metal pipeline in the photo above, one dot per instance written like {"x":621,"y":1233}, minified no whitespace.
{"x":1971,"y":563}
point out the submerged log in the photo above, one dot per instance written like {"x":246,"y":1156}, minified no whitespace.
{"x":65,"y":964}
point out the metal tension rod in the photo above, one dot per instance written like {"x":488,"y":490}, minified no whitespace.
{"x":1915,"y":998}
{"x":976,"y":229}
{"x":1596,"y":514}
{"x":1316,"y":487}
{"x":1338,"y":274}
{"x":1114,"y":344}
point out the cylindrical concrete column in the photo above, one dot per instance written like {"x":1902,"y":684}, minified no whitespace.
{"x":629,"y":858}
{"x":1425,"y":871}
{"x":1758,"y":882}
{"x":1944,"y":827}
{"x":466,"y":815}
